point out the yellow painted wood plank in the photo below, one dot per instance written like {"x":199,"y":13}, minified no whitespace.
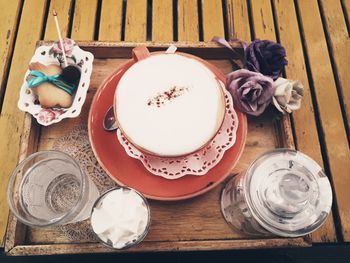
{"x":84,"y":20}
{"x":340,"y":47}
{"x":238,"y":20}
{"x":9,"y":15}
{"x":187,"y":19}
{"x":111,"y":20}
{"x":306,"y":135}
{"x":11,"y":119}
{"x":136,"y":20}
{"x":213,"y":21}
{"x":263,"y":20}
{"x":162,"y":20}
{"x":336,"y":143}
{"x":62,"y":8}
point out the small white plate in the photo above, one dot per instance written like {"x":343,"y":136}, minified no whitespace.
{"x":46,"y":116}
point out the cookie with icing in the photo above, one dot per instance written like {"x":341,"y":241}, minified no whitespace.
{"x":43,"y":81}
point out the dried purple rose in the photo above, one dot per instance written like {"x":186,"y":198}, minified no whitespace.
{"x":266,"y":57}
{"x":251,"y":91}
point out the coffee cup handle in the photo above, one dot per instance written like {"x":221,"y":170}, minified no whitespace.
{"x":140,"y":52}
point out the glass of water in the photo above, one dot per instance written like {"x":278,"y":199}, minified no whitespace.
{"x":283,"y":192}
{"x":49,"y":188}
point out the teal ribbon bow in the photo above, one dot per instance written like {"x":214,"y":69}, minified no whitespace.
{"x":40,"y":78}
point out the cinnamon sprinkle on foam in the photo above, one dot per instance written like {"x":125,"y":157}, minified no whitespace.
{"x":166,"y":96}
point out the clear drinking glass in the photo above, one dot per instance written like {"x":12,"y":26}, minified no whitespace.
{"x":48,"y":188}
{"x":283,"y":192}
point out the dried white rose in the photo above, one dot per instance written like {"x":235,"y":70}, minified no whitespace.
{"x":288,"y":95}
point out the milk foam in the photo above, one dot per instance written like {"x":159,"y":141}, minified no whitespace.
{"x":169,"y":104}
{"x":120,"y":218}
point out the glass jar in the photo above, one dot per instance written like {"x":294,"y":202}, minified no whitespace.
{"x":283,"y":192}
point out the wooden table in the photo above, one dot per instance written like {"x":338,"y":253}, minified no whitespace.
{"x":314,"y":33}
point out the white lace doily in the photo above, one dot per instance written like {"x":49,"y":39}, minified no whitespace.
{"x":198,"y":163}
{"x":76,"y":144}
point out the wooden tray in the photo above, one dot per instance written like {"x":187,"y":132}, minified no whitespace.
{"x":195,"y":224}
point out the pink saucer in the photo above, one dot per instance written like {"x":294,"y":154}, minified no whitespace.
{"x":130,"y":172}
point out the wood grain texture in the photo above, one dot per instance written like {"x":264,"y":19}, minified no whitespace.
{"x":136,"y":20}
{"x":191,"y":220}
{"x":333,"y":129}
{"x":238,"y":24}
{"x":263,"y":25}
{"x":337,"y":32}
{"x":9,"y":12}
{"x":84,"y":20}
{"x":306,"y":135}
{"x":162,"y":20}
{"x":11,"y":119}
{"x":28,"y":145}
{"x":63,"y":9}
{"x":111,"y":20}
{"x":207,"y":50}
{"x":159,"y":246}
{"x":187,"y":19}
{"x":213,"y":21}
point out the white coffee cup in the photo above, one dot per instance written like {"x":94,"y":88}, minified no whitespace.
{"x":169,"y":105}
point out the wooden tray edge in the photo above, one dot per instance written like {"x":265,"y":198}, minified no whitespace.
{"x":28,"y":139}
{"x":208,"y":50}
{"x":57,"y":249}
{"x":27,"y":146}
{"x":180,"y":44}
